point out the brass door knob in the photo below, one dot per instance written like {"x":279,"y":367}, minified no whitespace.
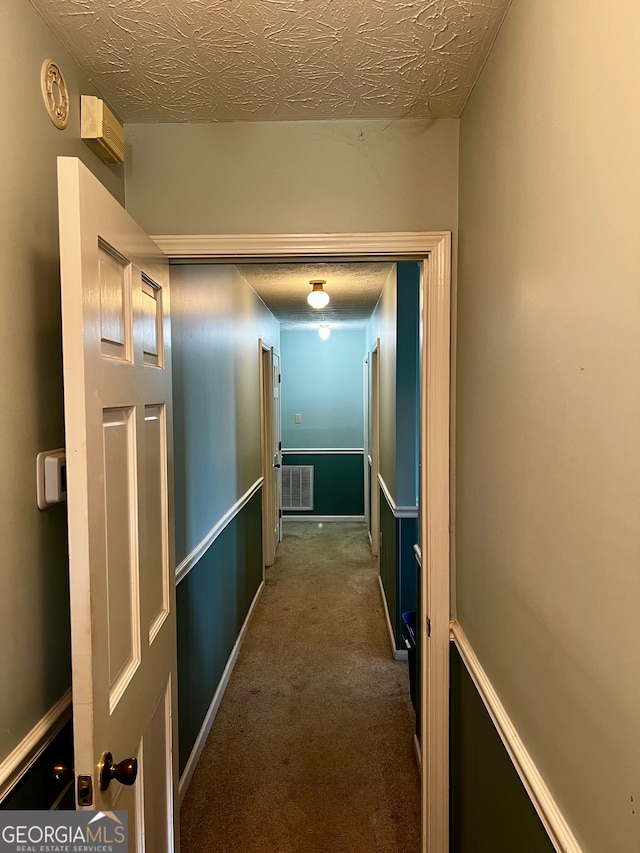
{"x":125,"y":771}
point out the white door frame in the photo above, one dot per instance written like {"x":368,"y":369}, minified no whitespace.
{"x":266,"y":422}
{"x":375,"y":450}
{"x":366,"y":471}
{"x":434,"y":249}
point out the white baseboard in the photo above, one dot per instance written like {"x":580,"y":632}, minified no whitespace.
{"x":543,"y":801}
{"x":198,"y":746}
{"x":31,"y":747}
{"x":398,"y":654}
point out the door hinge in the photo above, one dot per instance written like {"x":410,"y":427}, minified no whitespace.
{"x":428,"y":627}
{"x":279,"y":377}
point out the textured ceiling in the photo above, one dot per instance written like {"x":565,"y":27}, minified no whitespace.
{"x":354,"y":289}
{"x":232,"y":60}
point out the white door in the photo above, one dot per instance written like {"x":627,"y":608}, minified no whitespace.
{"x":277,"y":450}
{"x":117,"y":377}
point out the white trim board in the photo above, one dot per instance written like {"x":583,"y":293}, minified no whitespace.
{"x":543,"y":801}
{"x":31,"y":747}
{"x":398,"y":654}
{"x":398,"y":511}
{"x":324,"y":451}
{"x":435,"y":585}
{"x":196,"y":752}
{"x":352,"y":451}
{"x":235,"y":247}
{"x":183,"y":569}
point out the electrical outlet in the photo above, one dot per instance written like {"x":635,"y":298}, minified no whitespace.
{"x":298,"y":419}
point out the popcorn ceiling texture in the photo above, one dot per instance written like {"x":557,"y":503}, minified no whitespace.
{"x":354,"y":289}
{"x":261,"y":60}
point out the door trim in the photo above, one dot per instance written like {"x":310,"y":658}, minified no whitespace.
{"x":266,"y":445}
{"x":434,"y":249}
{"x":412,"y":245}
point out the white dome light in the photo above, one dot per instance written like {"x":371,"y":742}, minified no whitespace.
{"x":318,"y":298}
{"x":324,"y":331}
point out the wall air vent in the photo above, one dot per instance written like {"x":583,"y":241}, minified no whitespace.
{"x":101,"y":130}
{"x":297,"y":487}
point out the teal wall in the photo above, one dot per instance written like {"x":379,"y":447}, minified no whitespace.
{"x":395,"y":322}
{"x":338,"y":482}
{"x":407,"y":383}
{"x":212,"y":603}
{"x":389,"y":566}
{"x":398,"y":568}
{"x":323,"y":382}
{"x":217,"y":321}
{"x":490,"y":809}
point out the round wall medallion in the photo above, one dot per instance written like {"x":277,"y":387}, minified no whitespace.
{"x":54,"y":92}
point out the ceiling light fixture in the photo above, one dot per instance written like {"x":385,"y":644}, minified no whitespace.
{"x":324,"y":331}
{"x":318,"y":297}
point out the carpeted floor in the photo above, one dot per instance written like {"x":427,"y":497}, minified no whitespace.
{"x":312,"y":748}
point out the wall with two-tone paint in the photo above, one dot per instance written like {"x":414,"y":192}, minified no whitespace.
{"x":394,"y":332}
{"x":548,"y":402}
{"x":35,"y":657}
{"x":217,"y":325}
{"x":323,"y":415}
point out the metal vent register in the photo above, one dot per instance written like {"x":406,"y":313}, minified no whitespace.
{"x":297,"y":487}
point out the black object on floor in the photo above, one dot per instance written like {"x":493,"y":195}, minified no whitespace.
{"x":409,"y":637}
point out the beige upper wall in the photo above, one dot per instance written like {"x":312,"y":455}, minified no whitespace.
{"x":548,"y":403}
{"x":34,"y":607}
{"x":293,"y":177}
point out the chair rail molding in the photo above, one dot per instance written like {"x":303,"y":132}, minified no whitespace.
{"x":543,"y":801}
{"x":31,"y":747}
{"x":184,"y":567}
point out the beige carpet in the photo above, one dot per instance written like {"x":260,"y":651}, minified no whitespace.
{"x":312,"y":748}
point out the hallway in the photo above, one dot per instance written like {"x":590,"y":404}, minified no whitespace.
{"x":312,"y":748}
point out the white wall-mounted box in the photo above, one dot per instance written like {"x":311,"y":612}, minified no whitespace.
{"x":101,"y":130}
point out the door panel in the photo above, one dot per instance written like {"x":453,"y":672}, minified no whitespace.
{"x":117,"y":373}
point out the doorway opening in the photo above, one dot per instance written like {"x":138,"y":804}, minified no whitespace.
{"x":434,"y":250}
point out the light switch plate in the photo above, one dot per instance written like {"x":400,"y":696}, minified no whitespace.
{"x":51,"y":477}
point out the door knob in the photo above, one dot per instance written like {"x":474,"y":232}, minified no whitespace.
{"x":125,"y":771}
